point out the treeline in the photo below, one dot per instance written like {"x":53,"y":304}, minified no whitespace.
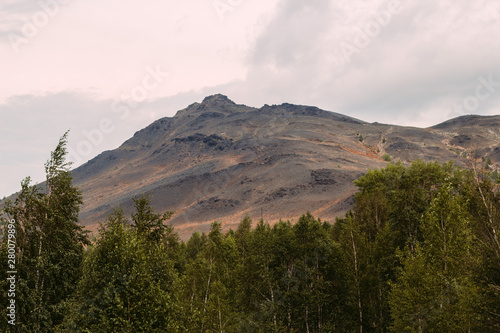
{"x":419,"y":252}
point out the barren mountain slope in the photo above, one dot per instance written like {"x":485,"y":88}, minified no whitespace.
{"x":217,"y":160}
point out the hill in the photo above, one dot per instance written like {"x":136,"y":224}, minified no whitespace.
{"x":218,"y":160}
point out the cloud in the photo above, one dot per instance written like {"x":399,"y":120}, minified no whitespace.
{"x":14,"y":12}
{"x":428,"y":56}
{"x":405,"y":62}
{"x":105,"y":47}
{"x":32,"y":126}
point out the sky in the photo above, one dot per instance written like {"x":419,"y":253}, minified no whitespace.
{"x":106,"y":69}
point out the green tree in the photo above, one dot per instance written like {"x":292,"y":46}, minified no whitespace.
{"x":50,"y":245}
{"x":483,"y":199}
{"x":128,"y":285}
{"x":388,"y":216}
{"x":412,"y":298}
{"x":257,"y":288}
{"x":315,"y":293}
{"x":447,"y":296}
{"x":208,"y":286}
{"x":148,"y":223}
{"x":354,"y":245}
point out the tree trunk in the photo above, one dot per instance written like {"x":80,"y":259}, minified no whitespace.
{"x":220,"y":314}
{"x":206,"y":295}
{"x":356,"y":275}
{"x":274,"y":308}
{"x":307,"y":319}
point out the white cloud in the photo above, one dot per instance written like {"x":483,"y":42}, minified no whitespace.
{"x":429,"y":54}
{"x":32,"y":125}
{"x":415,"y":67}
{"x":106,"y":46}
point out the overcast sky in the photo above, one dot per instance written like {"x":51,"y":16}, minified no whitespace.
{"x":105,"y":69}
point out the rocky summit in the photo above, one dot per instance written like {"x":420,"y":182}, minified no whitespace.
{"x":217,"y":160}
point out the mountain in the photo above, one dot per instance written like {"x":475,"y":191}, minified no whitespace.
{"x":217,"y":160}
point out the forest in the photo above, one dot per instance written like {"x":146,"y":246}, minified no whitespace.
{"x":419,"y":252}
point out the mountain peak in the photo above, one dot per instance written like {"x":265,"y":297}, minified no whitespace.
{"x":217,"y":102}
{"x":219,"y":161}
{"x":217,"y":99}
